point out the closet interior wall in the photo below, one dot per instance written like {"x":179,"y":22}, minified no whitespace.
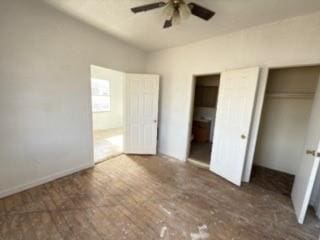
{"x":286,"y":112}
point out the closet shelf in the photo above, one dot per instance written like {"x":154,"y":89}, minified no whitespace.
{"x":290,"y":95}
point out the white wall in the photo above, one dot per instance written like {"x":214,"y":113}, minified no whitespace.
{"x":45,"y":97}
{"x":282,"y":134}
{"x":113,"y":118}
{"x":285,"y":119}
{"x":290,"y":42}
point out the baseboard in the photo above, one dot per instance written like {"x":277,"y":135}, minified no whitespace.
{"x":44,"y":180}
{"x":108,"y":158}
{"x":169,"y":157}
{"x":198,"y":163}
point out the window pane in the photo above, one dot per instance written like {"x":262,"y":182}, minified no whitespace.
{"x":100,"y":103}
{"x":100,"y":95}
{"x":100,"y":87}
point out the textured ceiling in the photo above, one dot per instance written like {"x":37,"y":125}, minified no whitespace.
{"x":145,"y":31}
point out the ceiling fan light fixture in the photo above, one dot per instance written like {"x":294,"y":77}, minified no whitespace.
{"x":176,"y":10}
{"x":176,"y":20}
{"x":184,"y":11}
{"x":168,"y":10}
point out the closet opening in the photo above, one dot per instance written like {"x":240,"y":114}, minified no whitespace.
{"x":283,"y":128}
{"x":206,"y":90}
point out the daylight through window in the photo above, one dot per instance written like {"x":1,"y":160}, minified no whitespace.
{"x":100,"y":95}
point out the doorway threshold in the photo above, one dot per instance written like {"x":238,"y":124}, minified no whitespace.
{"x":198,"y":163}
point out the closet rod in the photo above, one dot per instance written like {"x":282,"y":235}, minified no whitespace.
{"x":290,"y":95}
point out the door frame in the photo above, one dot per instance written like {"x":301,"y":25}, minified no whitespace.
{"x":191,"y":110}
{"x":91,"y":113}
{"x":260,"y":100}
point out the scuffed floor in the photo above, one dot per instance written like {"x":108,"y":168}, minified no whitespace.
{"x":133,"y":197}
{"x":107,"y":144}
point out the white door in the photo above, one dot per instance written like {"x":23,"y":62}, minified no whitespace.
{"x":141,"y":113}
{"x":305,"y":178}
{"x":237,"y":92}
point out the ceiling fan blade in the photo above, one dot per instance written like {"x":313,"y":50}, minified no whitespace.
{"x":168,"y":23}
{"x":200,"y":11}
{"x":148,"y":7}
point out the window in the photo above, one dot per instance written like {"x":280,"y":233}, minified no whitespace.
{"x":100,"y":95}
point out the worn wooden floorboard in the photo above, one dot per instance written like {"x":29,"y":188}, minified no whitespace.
{"x":134,"y":197}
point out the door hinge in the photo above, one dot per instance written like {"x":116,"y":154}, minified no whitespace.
{"x":313,"y":153}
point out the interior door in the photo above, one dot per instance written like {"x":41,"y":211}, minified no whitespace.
{"x":237,"y":92}
{"x":305,"y":178}
{"x":141,"y":113}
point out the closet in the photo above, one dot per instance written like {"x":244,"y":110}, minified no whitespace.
{"x":283,"y":127}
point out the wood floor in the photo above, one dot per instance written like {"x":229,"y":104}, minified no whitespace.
{"x":201,"y":152}
{"x":272,"y":180}
{"x":107,"y":144}
{"x":150,"y":198}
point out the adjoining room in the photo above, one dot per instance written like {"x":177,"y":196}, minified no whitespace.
{"x":203,"y":119}
{"x":107,"y":112}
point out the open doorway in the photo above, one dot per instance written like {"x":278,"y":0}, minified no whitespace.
{"x":203,"y":120}
{"x":285,"y":120}
{"x":107,"y":112}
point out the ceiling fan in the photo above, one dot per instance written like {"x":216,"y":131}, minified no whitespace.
{"x":175,"y":10}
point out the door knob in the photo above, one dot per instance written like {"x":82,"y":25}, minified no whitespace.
{"x":243,"y":136}
{"x":155,"y":121}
